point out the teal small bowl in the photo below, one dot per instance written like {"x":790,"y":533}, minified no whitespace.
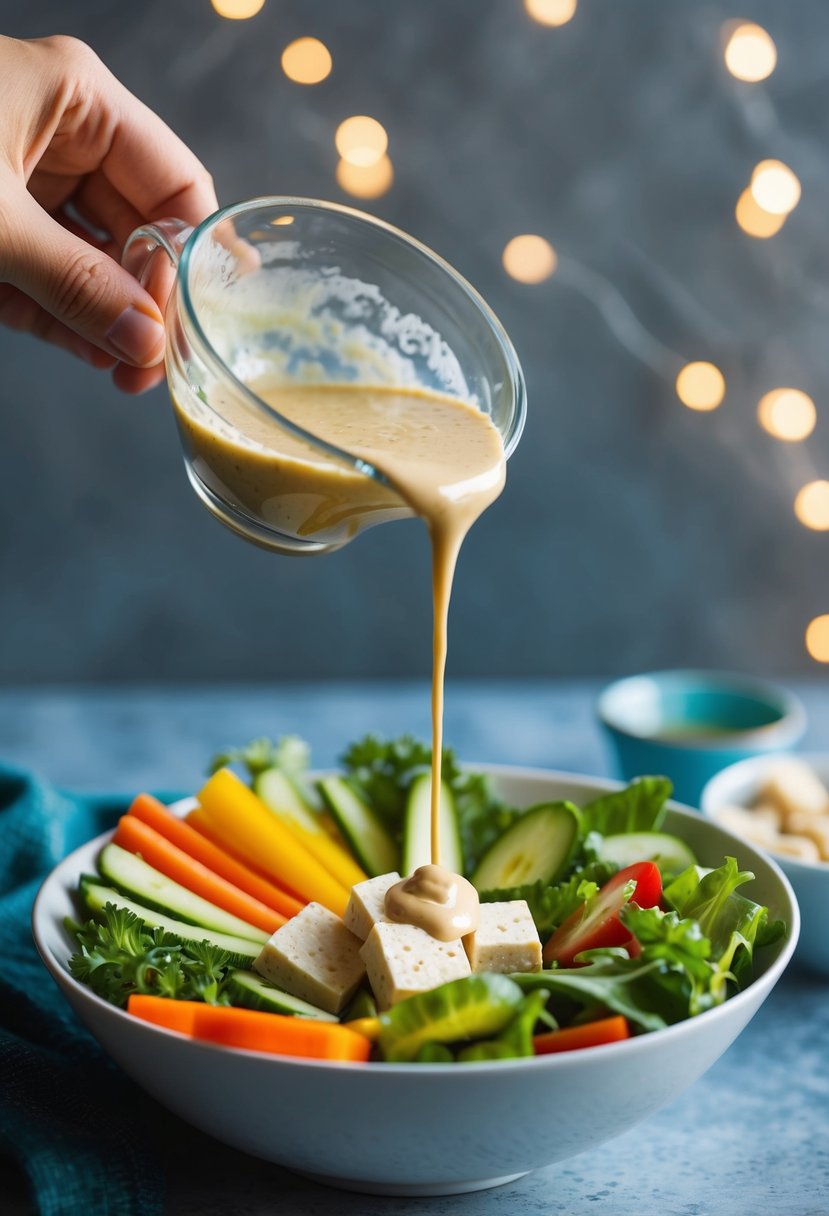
{"x":689,"y":725}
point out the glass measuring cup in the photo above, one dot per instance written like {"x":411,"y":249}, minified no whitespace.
{"x":292,"y":291}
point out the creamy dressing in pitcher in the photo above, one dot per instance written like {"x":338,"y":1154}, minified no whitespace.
{"x":444,"y":460}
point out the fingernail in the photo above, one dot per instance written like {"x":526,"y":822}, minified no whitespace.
{"x":136,"y":336}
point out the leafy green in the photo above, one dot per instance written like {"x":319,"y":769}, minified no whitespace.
{"x":639,"y":807}
{"x":473,"y":1007}
{"x":550,"y":905}
{"x":689,"y":976}
{"x":290,"y":754}
{"x":608,"y":978}
{"x":382,"y":772}
{"x":734,"y":923}
{"x":121,"y":955}
{"x":516,"y":1041}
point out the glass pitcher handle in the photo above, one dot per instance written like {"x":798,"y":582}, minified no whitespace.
{"x":151,"y":255}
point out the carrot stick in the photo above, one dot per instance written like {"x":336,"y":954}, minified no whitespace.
{"x":201,"y":823}
{"x":244,"y":823}
{"x":592,"y":1034}
{"x":138,"y":837}
{"x":152,"y":812}
{"x":249,"y":1028}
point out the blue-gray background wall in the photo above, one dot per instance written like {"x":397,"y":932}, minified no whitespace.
{"x":633,"y":533}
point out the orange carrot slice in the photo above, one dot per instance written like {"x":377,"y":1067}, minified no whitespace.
{"x":249,"y":1028}
{"x":592,"y":1034}
{"x":138,"y":837}
{"x":205,"y":850}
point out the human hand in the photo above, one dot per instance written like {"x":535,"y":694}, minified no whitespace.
{"x":72,"y":136}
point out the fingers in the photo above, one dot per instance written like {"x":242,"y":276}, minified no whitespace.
{"x":19,"y":312}
{"x":153,"y":170}
{"x":80,"y":286}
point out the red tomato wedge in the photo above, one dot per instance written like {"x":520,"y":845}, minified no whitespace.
{"x":596,"y":924}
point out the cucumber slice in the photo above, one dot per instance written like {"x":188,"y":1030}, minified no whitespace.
{"x":281,"y":796}
{"x":132,"y":876}
{"x":94,"y":896}
{"x":250,"y":991}
{"x":671,"y":854}
{"x":417,"y":830}
{"x":536,"y":848}
{"x":367,"y":838}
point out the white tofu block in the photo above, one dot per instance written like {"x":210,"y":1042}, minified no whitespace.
{"x":313,"y":956}
{"x":402,"y":960}
{"x":506,"y":939}
{"x":791,"y":785}
{"x":367,"y":904}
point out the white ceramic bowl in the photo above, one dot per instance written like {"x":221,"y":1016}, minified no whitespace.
{"x":739,"y":785}
{"x":426,"y":1129}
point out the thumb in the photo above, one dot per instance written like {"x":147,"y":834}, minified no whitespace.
{"x":81,"y":286}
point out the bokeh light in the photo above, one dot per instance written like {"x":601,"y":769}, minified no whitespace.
{"x":282,"y":221}
{"x":529,"y":258}
{"x":238,"y":10}
{"x":754,"y":220}
{"x":306,"y":61}
{"x":365,"y":181}
{"x":700,"y":386}
{"x":817,"y":638}
{"x":774,"y":187}
{"x":750,"y":53}
{"x":812,"y":505}
{"x":787,"y":413}
{"x":361,"y":141}
{"x":551,"y":12}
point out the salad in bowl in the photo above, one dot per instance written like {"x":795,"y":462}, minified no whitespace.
{"x":234,"y":954}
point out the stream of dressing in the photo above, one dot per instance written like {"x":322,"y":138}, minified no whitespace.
{"x":444,"y":459}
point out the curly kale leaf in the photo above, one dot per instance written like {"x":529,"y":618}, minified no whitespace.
{"x":120,"y":955}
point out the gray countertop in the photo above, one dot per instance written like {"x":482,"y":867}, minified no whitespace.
{"x":752,"y":1136}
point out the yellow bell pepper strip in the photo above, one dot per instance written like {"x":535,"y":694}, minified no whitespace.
{"x":319,"y":844}
{"x":249,"y":829}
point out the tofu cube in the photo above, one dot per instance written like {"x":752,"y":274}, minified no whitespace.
{"x":792,"y":786}
{"x":367,"y":904}
{"x":402,"y":960}
{"x":506,"y":939}
{"x":313,"y":956}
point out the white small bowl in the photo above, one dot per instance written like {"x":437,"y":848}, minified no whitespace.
{"x":739,"y":785}
{"x":398,"y":1129}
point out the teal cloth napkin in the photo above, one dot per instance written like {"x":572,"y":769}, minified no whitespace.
{"x":83,"y":1134}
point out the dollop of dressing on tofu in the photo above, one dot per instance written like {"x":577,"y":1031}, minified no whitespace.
{"x":433,"y":898}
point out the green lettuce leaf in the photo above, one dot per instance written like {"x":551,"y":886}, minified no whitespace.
{"x":516,"y":1041}
{"x":640,"y":807}
{"x":734,"y":924}
{"x":478,"y":1006}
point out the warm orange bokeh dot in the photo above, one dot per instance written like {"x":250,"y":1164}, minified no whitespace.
{"x":787,"y":413}
{"x":750,"y":53}
{"x":700,"y":386}
{"x":817,"y":639}
{"x":754,"y":220}
{"x":529,"y":258}
{"x":812,"y":505}
{"x":775,"y":187}
{"x":366,"y":181}
{"x":551,"y":12}
{"x":306,"y":61}
{"x":238,"y":10}
{"x":361,"y":141}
